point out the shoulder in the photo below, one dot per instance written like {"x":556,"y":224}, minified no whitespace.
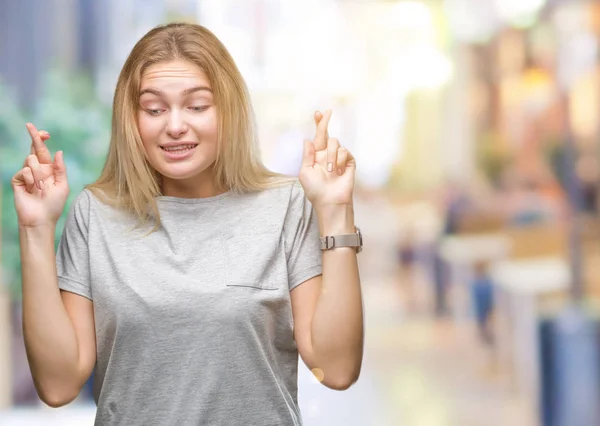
{"x":81,"y":203}
{"x":298,"y":207}
{"x":291,"y":189}
{"x":89,"y":206}
{"x":296,"y":190}
{"x":87,"y":198}
{"x":291,"y":195}
{"x":284,"y":200}
{"x":85,"y":201}
{"x":97,"y":200}
{"x":287,"y":192}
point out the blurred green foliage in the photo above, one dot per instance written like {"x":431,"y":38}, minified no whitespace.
{"x":79,"y":125}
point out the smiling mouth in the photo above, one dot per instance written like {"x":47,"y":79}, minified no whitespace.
{"x":179,"y":148}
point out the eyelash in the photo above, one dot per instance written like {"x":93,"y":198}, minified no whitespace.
{"x":156,"y":112}
{"x":200,"y":108}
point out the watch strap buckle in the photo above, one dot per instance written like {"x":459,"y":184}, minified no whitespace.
{"x":328,"y":242}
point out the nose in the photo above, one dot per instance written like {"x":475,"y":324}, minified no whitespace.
{"x":176,"y":126}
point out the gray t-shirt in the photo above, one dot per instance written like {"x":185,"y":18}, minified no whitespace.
{"x":193,"y":322}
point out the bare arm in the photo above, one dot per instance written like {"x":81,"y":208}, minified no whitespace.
{"x":328,"y":311}
{"x":59,"y":331}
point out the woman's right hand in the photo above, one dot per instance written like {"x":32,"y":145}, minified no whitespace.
{"x":40,"y":187}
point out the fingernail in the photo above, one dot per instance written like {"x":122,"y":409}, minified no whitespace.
{"x":329,"y":167}
{"x":40,"y":184}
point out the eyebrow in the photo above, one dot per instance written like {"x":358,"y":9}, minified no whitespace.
{"x":183,"y":92}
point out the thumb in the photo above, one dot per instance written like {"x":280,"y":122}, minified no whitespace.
{"x":308,"y":156}
{"x":60,"y":170}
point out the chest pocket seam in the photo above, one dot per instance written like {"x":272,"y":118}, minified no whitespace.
{"x":254,"y":260}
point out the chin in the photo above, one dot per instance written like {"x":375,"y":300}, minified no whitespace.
{"x":181,"y":171}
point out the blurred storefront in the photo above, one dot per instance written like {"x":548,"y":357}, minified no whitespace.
{"x":533,"y":97}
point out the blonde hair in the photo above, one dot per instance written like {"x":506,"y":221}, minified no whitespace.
{"x":127,"y":180}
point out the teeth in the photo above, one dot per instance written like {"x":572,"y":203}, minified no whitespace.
{"x":178,"y":147}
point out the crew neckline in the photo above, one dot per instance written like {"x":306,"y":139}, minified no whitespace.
{"x":203,"y":200}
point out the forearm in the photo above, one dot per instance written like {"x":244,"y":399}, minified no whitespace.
{"x":337,"y":326}
{"x":50,"y":339}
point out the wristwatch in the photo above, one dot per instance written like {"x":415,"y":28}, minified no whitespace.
{"x":346,"y":240}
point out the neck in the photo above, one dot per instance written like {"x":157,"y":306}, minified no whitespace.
{"x":196,"y":187}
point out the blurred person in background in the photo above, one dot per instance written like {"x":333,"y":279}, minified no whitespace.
{"x":407,"y":260}
{"x":455,"y":203}
{"x":482,"y":292}
{"x":189,"y":275}
{"x":588,"y":174}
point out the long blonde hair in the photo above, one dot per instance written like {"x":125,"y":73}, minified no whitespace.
{"x":127,"y":180}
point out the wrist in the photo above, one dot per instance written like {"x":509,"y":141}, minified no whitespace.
{"x":38,"y":231}
{"x":336,"y":219}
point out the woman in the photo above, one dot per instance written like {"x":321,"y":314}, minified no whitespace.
{"x":189,"y":275}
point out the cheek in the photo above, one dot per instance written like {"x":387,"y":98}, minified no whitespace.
{"x":149,"y":128}
{"x":207,"y":123}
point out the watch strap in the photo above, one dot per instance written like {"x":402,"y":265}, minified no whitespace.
{"x":346,"y":240}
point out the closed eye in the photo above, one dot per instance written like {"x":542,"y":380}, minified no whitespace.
{"x":200,"y":108}
{"x":154,"y":112}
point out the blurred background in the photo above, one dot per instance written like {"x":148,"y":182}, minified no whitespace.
{"x":475,"y":124}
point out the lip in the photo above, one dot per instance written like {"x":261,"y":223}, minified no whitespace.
{"x":171,"y":155}
{"x":176,"y":143}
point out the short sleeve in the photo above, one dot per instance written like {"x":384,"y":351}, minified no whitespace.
{"x":72,"y":256}
{"x":301,"y":231}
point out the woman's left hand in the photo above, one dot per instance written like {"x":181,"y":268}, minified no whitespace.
{"x":328,"y":169}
